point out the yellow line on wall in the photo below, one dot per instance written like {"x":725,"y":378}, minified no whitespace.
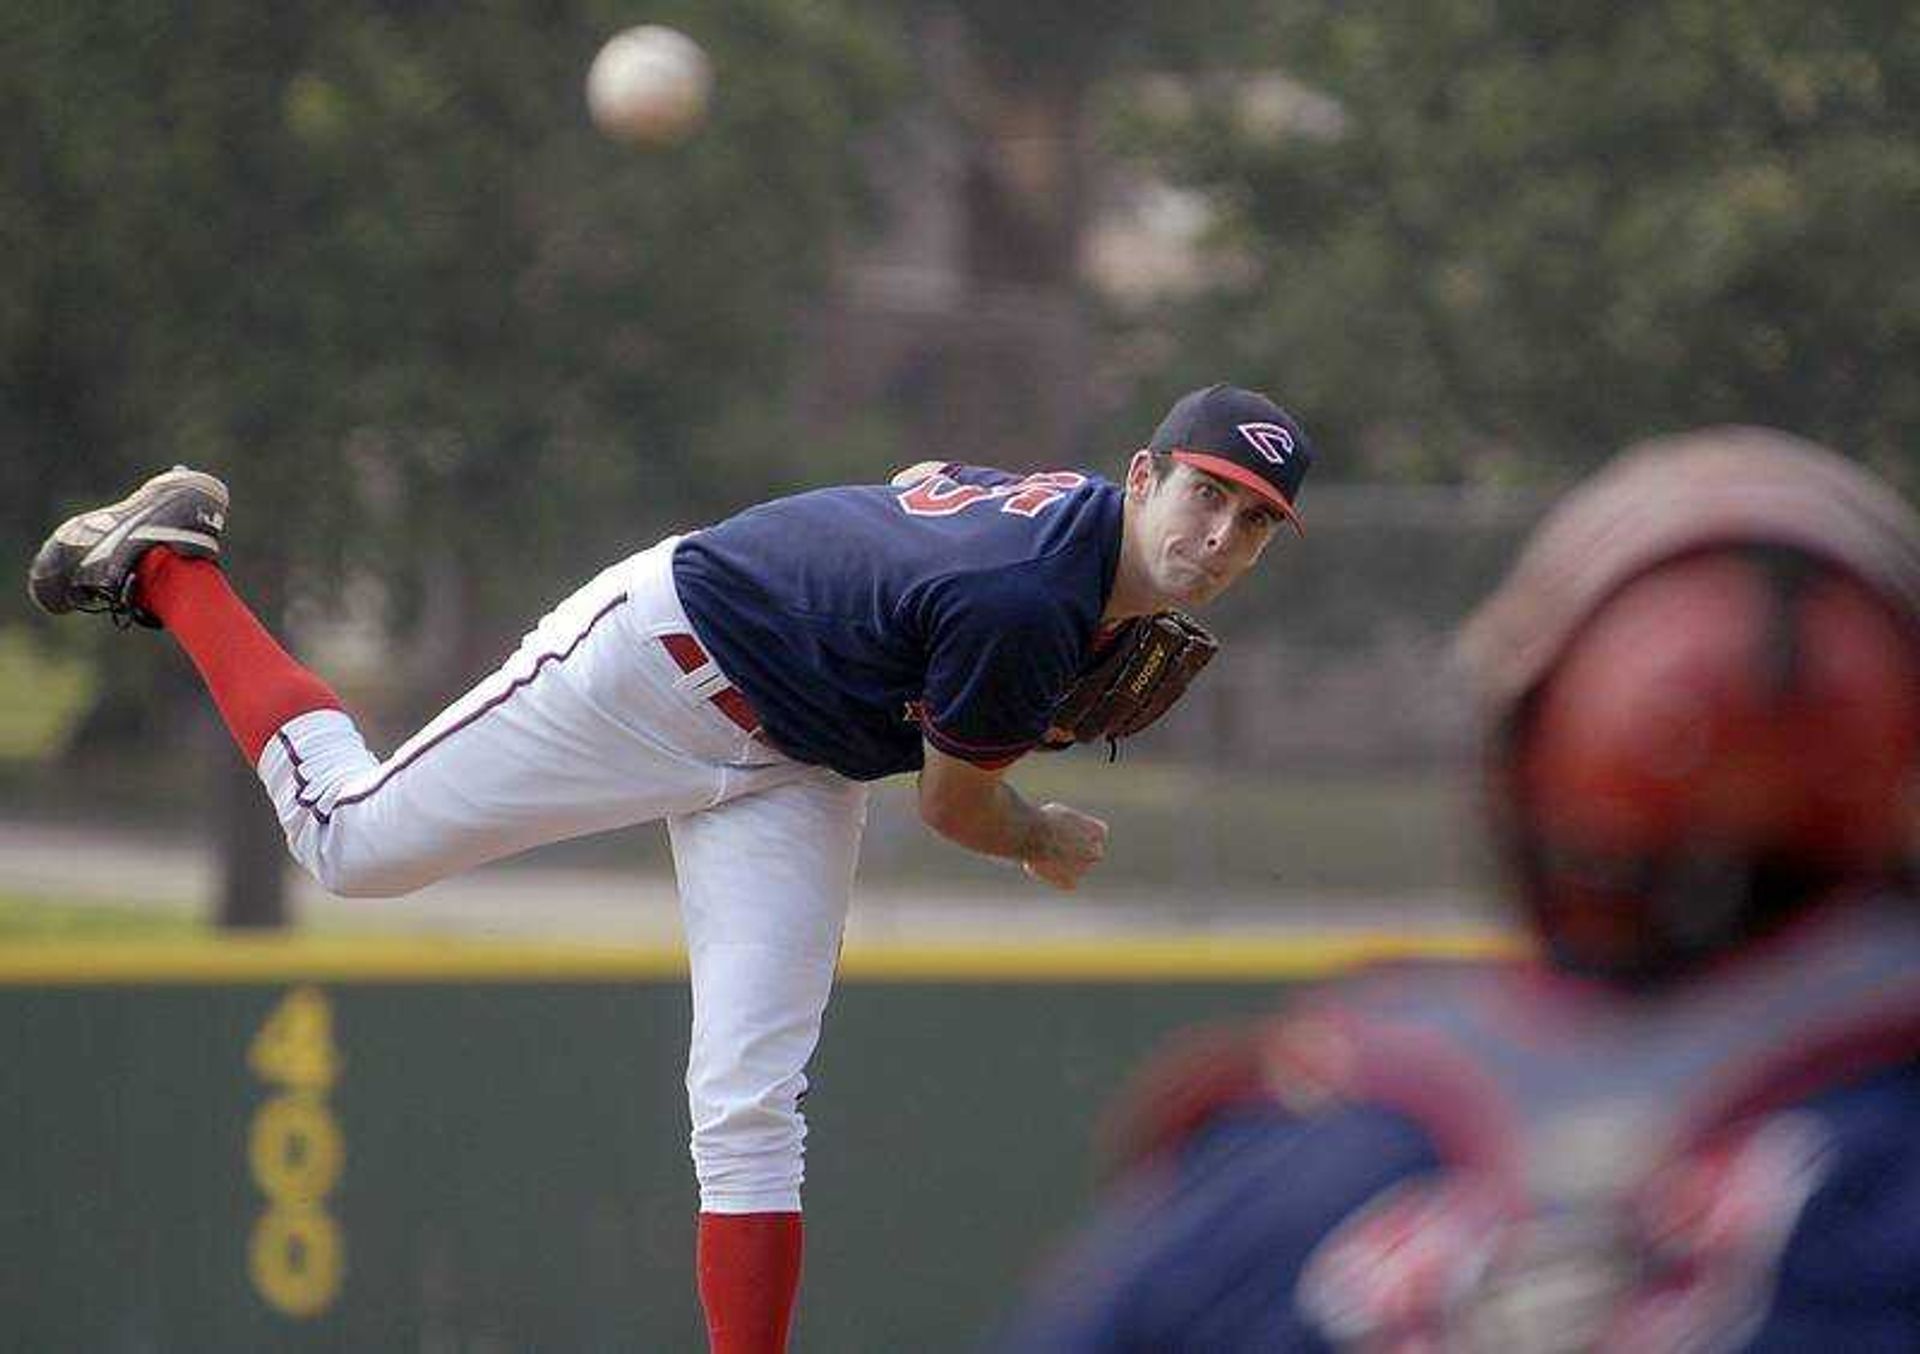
{"x":1215,"y":958}
{"x":1205,"y":958}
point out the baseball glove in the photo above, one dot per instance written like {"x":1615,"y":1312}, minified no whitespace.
{"x":1133,"y":679}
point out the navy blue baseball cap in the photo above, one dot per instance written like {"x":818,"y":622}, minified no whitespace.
{"x":1243,"y":436}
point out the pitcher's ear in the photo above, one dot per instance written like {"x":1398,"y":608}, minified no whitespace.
{"x":1140,"y":476}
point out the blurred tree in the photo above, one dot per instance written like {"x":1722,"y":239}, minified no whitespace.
{"x":967,"y":327}
{"x":1523,"y":233}
{"x":370,"y":263}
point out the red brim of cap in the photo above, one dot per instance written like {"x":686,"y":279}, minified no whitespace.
{"x":1240,"y":474}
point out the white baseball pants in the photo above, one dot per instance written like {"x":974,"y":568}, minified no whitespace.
{"x":605,"y":717}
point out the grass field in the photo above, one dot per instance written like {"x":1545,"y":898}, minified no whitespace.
{"x":1174,"y":825}
{"x":29,"y":917}
{"x":41,"y":694}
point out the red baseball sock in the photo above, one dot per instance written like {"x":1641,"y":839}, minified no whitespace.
{"x":254,"y":681}
{"x":749,"y":1265}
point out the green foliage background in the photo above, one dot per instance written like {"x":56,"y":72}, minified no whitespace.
{"x":371,"y":263}
{"x":1544,"y":230}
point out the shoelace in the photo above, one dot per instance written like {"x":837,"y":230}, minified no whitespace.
{"x":119,"y":606}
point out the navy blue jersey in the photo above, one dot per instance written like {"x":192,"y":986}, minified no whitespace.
{"x":1209,"y":1254}
{"x":1484,"y":1158}
{"x":858,"y":619}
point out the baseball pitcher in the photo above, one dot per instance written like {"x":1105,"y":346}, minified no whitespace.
{"x":746,"y":683}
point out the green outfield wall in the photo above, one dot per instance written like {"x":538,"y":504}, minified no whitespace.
{"x":256,"y":1146}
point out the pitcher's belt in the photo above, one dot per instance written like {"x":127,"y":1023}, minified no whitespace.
{"x":691,"y":655}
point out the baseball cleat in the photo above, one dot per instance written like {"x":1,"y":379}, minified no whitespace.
{"x":88,"y":562}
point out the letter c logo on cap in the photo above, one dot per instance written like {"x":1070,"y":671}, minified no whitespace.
{"x":1272,"y":441}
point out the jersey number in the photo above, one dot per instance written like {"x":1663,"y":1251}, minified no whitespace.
{"x":939,"y":496}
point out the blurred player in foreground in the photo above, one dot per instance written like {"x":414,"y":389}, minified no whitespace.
{"x":744,"y":683}
{"x":1696,"y":1125}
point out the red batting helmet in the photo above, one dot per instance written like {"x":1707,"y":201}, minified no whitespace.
{"x":1702,"y":683}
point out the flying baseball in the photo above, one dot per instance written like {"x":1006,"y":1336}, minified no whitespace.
{"x":649,"y":86}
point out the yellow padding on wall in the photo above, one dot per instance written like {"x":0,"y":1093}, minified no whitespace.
{"x":1176,"y":958}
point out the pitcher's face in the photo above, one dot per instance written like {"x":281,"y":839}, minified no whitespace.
{"x":1197,"y":532}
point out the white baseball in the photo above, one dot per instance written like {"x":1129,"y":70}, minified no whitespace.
{"x":649,"y":85}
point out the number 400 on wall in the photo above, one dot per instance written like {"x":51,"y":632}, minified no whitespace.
{"x":295,"y":1152}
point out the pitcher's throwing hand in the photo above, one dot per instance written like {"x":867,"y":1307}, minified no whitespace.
{"x":1068,"y":844}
